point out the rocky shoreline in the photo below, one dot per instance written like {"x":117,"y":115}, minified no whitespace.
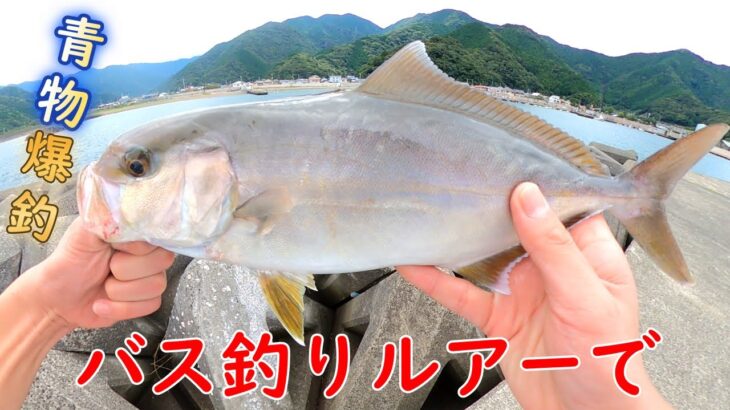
{"x":211,"y":300}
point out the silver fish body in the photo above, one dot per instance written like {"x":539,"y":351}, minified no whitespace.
{"x":378,"y":183}
{"x":410,"y":168}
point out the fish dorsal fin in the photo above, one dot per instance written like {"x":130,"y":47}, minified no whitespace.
{"x":411,"y":76}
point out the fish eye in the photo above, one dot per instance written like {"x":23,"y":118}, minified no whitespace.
{"x":137,"y":162}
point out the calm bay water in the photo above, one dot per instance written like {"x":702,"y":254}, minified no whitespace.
{"x":92,"y":138}
{"x":643,"y":143}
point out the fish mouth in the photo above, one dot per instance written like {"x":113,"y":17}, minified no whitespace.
{"x":93,"y":207}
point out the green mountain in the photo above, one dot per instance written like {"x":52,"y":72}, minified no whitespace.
{"x":109,"y":83}
{"x":106,"y":85}
{"x":359,"y":56}
{"x":676,"y":86}
{"x":439,"y":22}
{"x":465,"y":48}
{"x":16,"y":108}
{"x":254,"y":53}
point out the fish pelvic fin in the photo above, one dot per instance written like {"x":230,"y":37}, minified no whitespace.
{"x":645,"y":218}
{"x":285,"y":295}
{"x":493,"y":272}
{"x":410,"y":76}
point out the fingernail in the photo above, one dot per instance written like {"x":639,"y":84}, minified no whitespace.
{"x":101,"y":308}
{"x":532,"y":201}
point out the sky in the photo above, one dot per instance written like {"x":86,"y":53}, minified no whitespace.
{"x":163,"y":30}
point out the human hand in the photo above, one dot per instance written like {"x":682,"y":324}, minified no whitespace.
{"x":89,"y":283}
{"x":574,"y":291}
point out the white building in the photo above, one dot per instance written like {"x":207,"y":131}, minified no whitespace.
{"x":554,"y":99}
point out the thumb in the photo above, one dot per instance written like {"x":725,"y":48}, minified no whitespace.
{"x":79,"y":241}
{"x":568,"y":277}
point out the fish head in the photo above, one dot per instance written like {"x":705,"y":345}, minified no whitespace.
{"x":171,"y":184}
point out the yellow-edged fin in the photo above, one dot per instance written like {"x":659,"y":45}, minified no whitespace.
{"x":493,"y":272}
{"x":285,"y":295}
{"x":265,"y":209}
{"x":411,"y":76}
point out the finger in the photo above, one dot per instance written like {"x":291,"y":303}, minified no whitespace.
{"x":125,"y":266}
{"x":568,"y":277}
{"x":596,"y":241}
{"x":138,"y":248}
{"x":458,"y":295}
{"x":125,"y":310}
{"x":135,"y":290}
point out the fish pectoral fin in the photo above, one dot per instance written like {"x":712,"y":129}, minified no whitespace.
{"x":493,"y":272}
{"x":285,"y":295}
{"x":265,"y":209}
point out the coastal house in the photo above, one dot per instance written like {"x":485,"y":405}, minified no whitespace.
{"x":315,"y":79}
{"x":554,"y":99}
{"x":335,"y":79}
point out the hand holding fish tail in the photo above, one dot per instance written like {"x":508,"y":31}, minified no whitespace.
{"x":575,"y":291}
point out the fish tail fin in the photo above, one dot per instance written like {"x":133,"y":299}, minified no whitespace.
{"x":645,"y":218}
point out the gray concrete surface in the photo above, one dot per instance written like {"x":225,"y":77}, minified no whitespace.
{"x":614,"y":166}
{"x":9,"y":259}
{"x":214,"y":300}
{"x":691,"y":366}
{"x":332,"y":290}
{"x":54,"y":386}
{"x":383,"y":313}
{"x":35,"y":252}
{"x":618,"y":154}
{"x":499,"y":398}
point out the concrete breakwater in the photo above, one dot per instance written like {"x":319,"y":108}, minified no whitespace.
{"x":211,"y":300}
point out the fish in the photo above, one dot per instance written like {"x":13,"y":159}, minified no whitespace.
{"x":410,"y":168}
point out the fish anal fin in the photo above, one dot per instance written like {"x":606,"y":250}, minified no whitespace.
{"x":493,"y":272}
{"x":285,"y":295}
{"x":410,"y":76}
